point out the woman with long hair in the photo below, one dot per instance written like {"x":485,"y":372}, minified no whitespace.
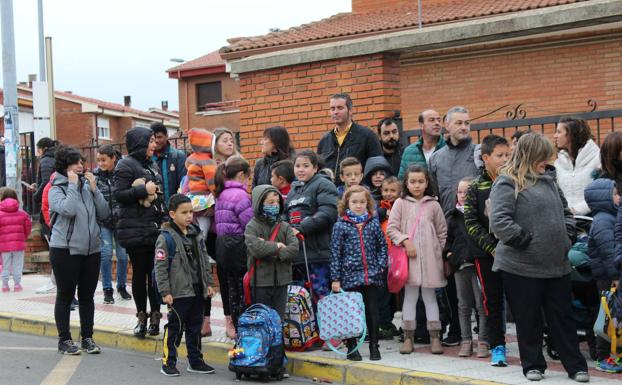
{"x":275,"y":146}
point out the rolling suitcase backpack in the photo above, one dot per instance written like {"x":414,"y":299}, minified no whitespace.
{"x":341,"y":316}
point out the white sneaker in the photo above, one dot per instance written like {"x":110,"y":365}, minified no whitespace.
{"x":46,"y":289}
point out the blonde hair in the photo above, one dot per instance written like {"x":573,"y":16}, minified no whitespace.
{"x":344,"y":202}
{"x":530,"y":149}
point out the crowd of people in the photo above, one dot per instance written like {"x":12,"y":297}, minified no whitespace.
{"x":482,"y":225}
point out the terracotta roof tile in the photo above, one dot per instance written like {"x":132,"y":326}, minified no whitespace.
{"x":212,"y":59}
{"x":343,"y":25}
{"x":107,"y":105}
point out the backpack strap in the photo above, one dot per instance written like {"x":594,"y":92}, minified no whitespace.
{"x":273,"y":236}
{"x":170,"y":247}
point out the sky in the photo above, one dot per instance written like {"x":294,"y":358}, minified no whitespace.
{"x":108,"y":49}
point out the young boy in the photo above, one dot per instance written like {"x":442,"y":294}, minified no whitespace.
{"x":377,"y":169}
{"x":495,"y":152}
{"x":283,"y":176}
{"x":350,"y":173}
{"x":184,"y":282}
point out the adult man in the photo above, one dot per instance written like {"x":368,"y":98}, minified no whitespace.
{"x":431,"y":141}
{"x":347,"y":138}
{"x":389,"y":134}
{"x":171,"y":161}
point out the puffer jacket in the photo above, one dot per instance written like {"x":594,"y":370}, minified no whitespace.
{"x":201,"y":164}
{"x":46,"y":168}
{"x":358,"y":253}
{"x":273,"y":267}
{"x":413,"y":155}
{"x":460,"y":246}
{"x":233,"y":209}
{"x":476,"y":217}
{"x":15,"y":226}
{"x":601,"y":240}
{"x":311,"y":208}
{"x":574,"y":178}
{"x":262,"y":171}
{"x":138,"y":226}
{"x":104,"y":184}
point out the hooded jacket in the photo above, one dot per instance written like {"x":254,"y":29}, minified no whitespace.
{"x":574,"y":178}
{"x":476,"y":217}
{"x":201,"y":164}
{"x":78,"y":210}
{"x":104,"y":184}
{"x":138,"y":226}
{"x":172,"y":165}
{"x":46,"y":168}
{"x":15,"y":226}
{"x":601,"y":240}
{"x":273,"y":267}
{"x":233,"y":209}
{"x":376,"y":163}
{"x":413,"y":154}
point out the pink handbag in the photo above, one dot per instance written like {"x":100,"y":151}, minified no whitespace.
{"x":397,"y":275}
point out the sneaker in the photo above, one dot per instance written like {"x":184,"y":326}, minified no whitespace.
{"x":17,"y":287}
{"x":68,"y":347}
{"x":200,"y":367}
{"x":534,"y":375}
{"x":90,"y":347}
{"x":74,"y":304}
{"x":451,"y":340}
{"x":45,"y":289}
{"x":498,"y":356}
{"x":108,"y":298}
{"x":609,"y":365}
{"x":5,"y":288}
{"x":580,"y":377}
{"x":483,"y":350}
{"x":123,"y":293}
{"x":169,"y":370}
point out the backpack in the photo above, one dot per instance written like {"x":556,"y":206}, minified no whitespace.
{"x":259,"y":346}
{"x":299,"y":331}
{"x":171,"y":248}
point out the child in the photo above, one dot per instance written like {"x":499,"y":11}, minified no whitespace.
{"x":358,"y":259}
{"x":377,"y":169}
{"x":460,"y":253}
{"x":272,"y":259}
{"x":184,"y":281}
{"x":282,"y":176}
{"x":233,"y":211}
{"x":417,"y":223}
{"x":15,"y":226}
{"x":495,"y":152}
{"x":350,"y":174}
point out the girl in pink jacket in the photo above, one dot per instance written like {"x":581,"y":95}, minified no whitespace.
{"x":15,"y":226}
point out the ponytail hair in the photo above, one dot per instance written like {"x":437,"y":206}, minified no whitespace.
{"x":228,"y":170}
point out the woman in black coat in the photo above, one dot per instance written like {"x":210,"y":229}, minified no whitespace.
{"x":275,"y":146}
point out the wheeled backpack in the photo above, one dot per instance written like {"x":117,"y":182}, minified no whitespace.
{"x":299,"y":328}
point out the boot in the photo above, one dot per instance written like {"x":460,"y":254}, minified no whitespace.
{"x":154,"y":323}
{"x":466,"y":349}
{"x":482,"y":350}
{"x":407,"y":347}
{"x":374,"y":352}
{"x":140,"y":330}
{"x":206,"y":328}
{"x":230,"y":329}
{"x":434,"y":328}
{"x":353,"y":355}
{"x":108,"y":297}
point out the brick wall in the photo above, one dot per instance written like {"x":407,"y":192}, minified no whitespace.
{"x":297,"y":97}
{"x":73,"y":126}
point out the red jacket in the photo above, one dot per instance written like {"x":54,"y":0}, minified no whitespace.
{"x":15,"y":226}
{"x":45,"y":203}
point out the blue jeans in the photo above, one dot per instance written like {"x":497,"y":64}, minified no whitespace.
{"x":107,"y":238}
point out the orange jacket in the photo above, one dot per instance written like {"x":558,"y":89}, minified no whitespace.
{"x":200,"y":165}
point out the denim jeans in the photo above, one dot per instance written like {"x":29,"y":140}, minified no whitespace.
{"x":108,"y":240}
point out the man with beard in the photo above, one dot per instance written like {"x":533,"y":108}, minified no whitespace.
{"x":430,"y":141}
{"x":389,"y":135}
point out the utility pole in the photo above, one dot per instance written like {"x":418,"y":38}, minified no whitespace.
{"x":11,"y":128}
{"x":41,"y":43}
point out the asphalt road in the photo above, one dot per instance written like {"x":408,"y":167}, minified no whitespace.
{"x":33,"y":360}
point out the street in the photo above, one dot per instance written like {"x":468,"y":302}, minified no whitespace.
{"x":31,"y":360}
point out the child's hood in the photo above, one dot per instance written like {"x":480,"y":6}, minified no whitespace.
{"x":191,"y":231}
{"x":376,"y":163}
{"x":599,"y":196}
{"x":9,"y":205}
{"x":259,"y":195}
{"x":201,"y":140}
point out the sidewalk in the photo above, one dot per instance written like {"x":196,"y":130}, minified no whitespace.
{"x":28,"y":312}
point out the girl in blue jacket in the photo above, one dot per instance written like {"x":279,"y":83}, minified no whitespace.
{"x":358,"y":258}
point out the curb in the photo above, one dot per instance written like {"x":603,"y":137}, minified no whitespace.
{"x":320,"y":369}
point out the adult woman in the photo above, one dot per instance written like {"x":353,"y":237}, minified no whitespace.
{"x":611,"y":158}
{"x":76,"y":205}
{"x":275,"y":146}
{"x":45,"y":152}
{"x":225,"y":146}
{"x":535,"y":227}
{"x":577,"y":159}
{"x":137,"y":187}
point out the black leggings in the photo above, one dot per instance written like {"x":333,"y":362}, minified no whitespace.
{"x":142,"y":280}
{"x":371,"y":295}
{"x":71,"y":271}
{"x":222,"y":278}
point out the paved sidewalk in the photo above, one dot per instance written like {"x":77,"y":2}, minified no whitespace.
{"x":34,"y":313}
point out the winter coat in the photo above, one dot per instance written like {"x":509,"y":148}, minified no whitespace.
{"x":459,"y":243}
{"x":15,"y":226}
{"x":104,"y":184}
{"x":138,"y":226}
{"x":376,"y":163}
{"x":177,"y":281}
{"x":535,"y":228}
{"x":426,"y":269}
{"x":273,"y":267}
{"x":447,"y":167}
{"x":360,"y":142}
{"x":413,"y":155}
{"x":311,"y":208}
{"x":233,"y":209}
{"x":201,"y":165}
{"x":476,"y":217}
{"x":263,"y":169}
{"x":573,"y":179}
{"x":46,"y":168}
{"x":78,"y":209}
{"x":601,"y":240}
{"x":45,"y":202}
{"x":358,"y":253}
{"x":172,"y":166}
{"x":394,"y":158}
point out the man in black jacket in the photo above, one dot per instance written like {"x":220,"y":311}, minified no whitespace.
{"x":389,"y":134}
{"x":347,"y":138}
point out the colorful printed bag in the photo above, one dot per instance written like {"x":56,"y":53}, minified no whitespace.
{"x":299,"y":331}
{"x":341,"y":316}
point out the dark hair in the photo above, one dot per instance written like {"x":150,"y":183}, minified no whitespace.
{"x":429,"y":191}
{"x":517,"y":134}
{"x":177,"y":200}
{"x":309,"y":154}
{"x":610,"y":151}
{"x":7,"y":192}
{"x":280,"y":138}
{"x":159,"y":128}
{"x":45,"y":143}
{"x":64,"y":157}
{"x":284,"y":169}
{"x":228,"y":170}
{"x":110,"y":151}
{"x":345,"y":97}
{"x":578,"y":132}
{"x":349,"y":161}
{"x":386,"y":122}
{"x":490,"y":142}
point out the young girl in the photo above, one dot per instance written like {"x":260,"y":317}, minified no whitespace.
{"x":15,"y":227}
{"x":233,"y":212}
{"x":358,"y":257}
{"x":417,"y":223}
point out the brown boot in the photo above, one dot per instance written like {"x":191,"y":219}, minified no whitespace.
{"x":434,"y":328}
{"x":206,"y":328}
{"x":466,"y":349}
{"x":482,"y":350}
{"x":154,"y":323}
{"x":407,"y":347}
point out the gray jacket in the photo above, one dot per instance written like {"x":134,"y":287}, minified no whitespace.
{"x":447,"y":167}
{"x":534,"y":228}
{"x":78,"y":210}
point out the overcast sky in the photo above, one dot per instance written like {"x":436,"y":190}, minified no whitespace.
{"x":108,"y":49}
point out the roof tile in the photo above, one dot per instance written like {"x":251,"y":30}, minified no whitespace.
{"x":212,"y":59}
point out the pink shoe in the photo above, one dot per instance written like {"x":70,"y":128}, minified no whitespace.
{"x":5,"y":289}
{"x":17,"y":287}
